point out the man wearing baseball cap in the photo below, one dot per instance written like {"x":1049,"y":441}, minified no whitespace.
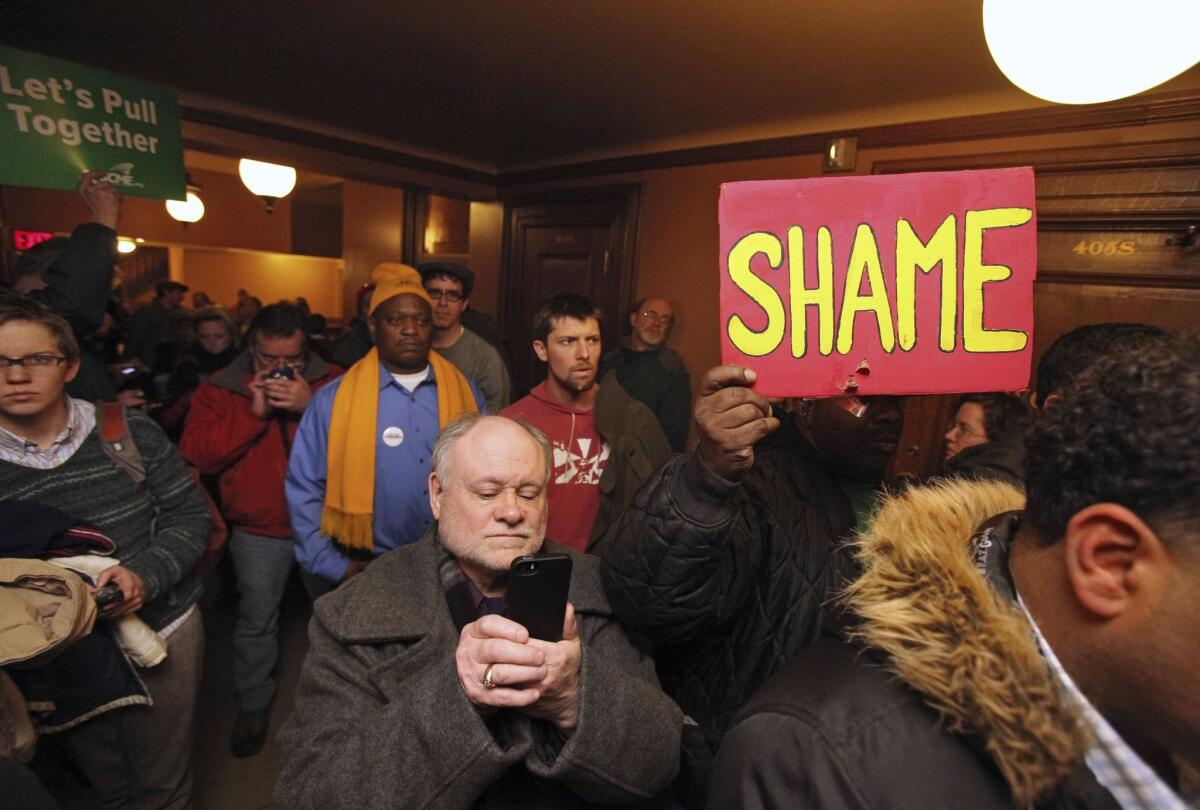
{"x":356,"y":482}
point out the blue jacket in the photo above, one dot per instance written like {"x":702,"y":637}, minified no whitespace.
{"x":401,"y":501}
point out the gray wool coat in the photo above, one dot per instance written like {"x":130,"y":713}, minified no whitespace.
{"x":381,"y":720}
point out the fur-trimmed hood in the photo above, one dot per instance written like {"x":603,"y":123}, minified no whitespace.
{"x":958,"y":640}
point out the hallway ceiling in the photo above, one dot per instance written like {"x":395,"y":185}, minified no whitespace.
{"x":520,"y":83}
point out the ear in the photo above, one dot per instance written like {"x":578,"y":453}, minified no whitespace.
{"x":72,"y":370}
{"x":633,"y":316}
{"x":435,"y":495}
{"x":371,"y":326}
{"x":1113,"y":559}
{"x":539,"y":349}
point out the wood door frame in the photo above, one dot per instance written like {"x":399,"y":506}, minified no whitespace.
{"x":626,"y":198}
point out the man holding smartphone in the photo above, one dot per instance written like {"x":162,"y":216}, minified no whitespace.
{"x":240,"y":426}
{"x":416,"y":650}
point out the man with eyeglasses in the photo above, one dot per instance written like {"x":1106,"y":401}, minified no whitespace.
{"x":449,"y":286}
{"x":51,"y":454}
{"x":241,"y":426}
{"x":650,"y":372}
{"x":357,"y":477}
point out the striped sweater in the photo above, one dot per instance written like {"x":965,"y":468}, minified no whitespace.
{"x":160,"y":531}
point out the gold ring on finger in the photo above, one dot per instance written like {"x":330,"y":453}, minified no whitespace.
{"x":487,"y":681}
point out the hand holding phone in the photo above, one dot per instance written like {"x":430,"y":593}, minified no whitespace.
{"x":108,"y":595}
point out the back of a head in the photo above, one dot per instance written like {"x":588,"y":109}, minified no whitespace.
{"x":1127,"y":431}
{"x":562,"y":305}
{"x":1073,"y":352}
{"x":277,"y":321}
{"x":38,"y":259}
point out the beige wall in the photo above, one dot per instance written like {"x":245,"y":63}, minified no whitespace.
{"x":269,"y":276}
{"x":372,"y":230}
{"x":487,"y":223}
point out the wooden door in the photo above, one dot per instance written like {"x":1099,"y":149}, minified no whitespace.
{"x":579,"y":241}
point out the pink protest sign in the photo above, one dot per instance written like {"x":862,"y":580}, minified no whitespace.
{"x":891,"y":284}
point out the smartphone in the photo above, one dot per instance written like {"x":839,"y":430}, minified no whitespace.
{"x":108,"y":595}
{"x":536,"y":597}
{"x":281,"y":373}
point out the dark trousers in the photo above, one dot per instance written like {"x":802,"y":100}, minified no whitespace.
{"x":141,"y":756}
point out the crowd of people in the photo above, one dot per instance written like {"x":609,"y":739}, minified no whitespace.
{"x":763,"y":618}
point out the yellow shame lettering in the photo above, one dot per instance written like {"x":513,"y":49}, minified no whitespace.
{"x":976,"y":274}
{"x":864,"y":255}
{"x":820,"y":296}
{"x":745,"y":339}
{"x":912,"y":253}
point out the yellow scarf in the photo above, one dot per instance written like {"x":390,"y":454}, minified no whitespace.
{"x":350,"y":475}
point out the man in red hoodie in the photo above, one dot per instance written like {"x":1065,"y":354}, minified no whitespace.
{"x":606,"y":443}
{"x":241,"y":426}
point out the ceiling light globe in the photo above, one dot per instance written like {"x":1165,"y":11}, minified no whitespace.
{"x":1088,"y":51}
{"x":191,"y":210}
{"x":268,"y":180}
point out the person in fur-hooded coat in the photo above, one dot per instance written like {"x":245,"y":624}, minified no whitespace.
{"x":995,"y":658}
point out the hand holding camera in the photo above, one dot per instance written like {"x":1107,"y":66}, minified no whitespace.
{"x":282,"y":389}
{"x":119,"y":591}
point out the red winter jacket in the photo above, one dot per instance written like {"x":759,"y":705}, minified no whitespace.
{"x":223,"y":436}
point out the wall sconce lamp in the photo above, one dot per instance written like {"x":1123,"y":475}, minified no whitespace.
{"x":270,"y":181}
{"x":125,"y":245}
{"x":189,"y":210}
{"x":840,"y":154}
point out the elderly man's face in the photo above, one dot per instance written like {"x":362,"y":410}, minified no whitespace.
{"x":492,"y":508}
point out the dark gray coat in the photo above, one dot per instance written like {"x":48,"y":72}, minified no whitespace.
{"x":381,"y":720}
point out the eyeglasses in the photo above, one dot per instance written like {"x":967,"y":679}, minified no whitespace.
{"x":665,"y":320}
{"x":33,"y":361}
{"x":453,"y":296}
{"x":275,"y":360}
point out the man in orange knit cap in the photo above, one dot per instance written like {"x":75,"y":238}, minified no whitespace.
{"x":356,"y":482}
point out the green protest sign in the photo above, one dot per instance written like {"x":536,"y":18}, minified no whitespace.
{"x":60,"y":119}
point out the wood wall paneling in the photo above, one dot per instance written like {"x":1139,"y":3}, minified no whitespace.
{"x":372,"y":232}
{"x":1110,"y":221}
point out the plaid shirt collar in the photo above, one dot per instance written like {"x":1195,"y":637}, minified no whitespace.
{"x":1117,"y":767}
{"x":81,"y":418}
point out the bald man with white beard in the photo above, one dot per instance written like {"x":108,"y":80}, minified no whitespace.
{"x":412,"y":662}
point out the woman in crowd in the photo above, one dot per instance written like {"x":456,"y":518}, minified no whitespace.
{"x":217,"y":343}
{"x":985,"y":437}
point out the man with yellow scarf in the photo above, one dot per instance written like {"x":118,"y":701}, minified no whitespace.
{"x":356,"y":482}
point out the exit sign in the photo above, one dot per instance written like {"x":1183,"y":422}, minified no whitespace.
{"x":24,"y":240}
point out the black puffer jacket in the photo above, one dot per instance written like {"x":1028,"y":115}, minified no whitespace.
{"x":728,"y":580}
